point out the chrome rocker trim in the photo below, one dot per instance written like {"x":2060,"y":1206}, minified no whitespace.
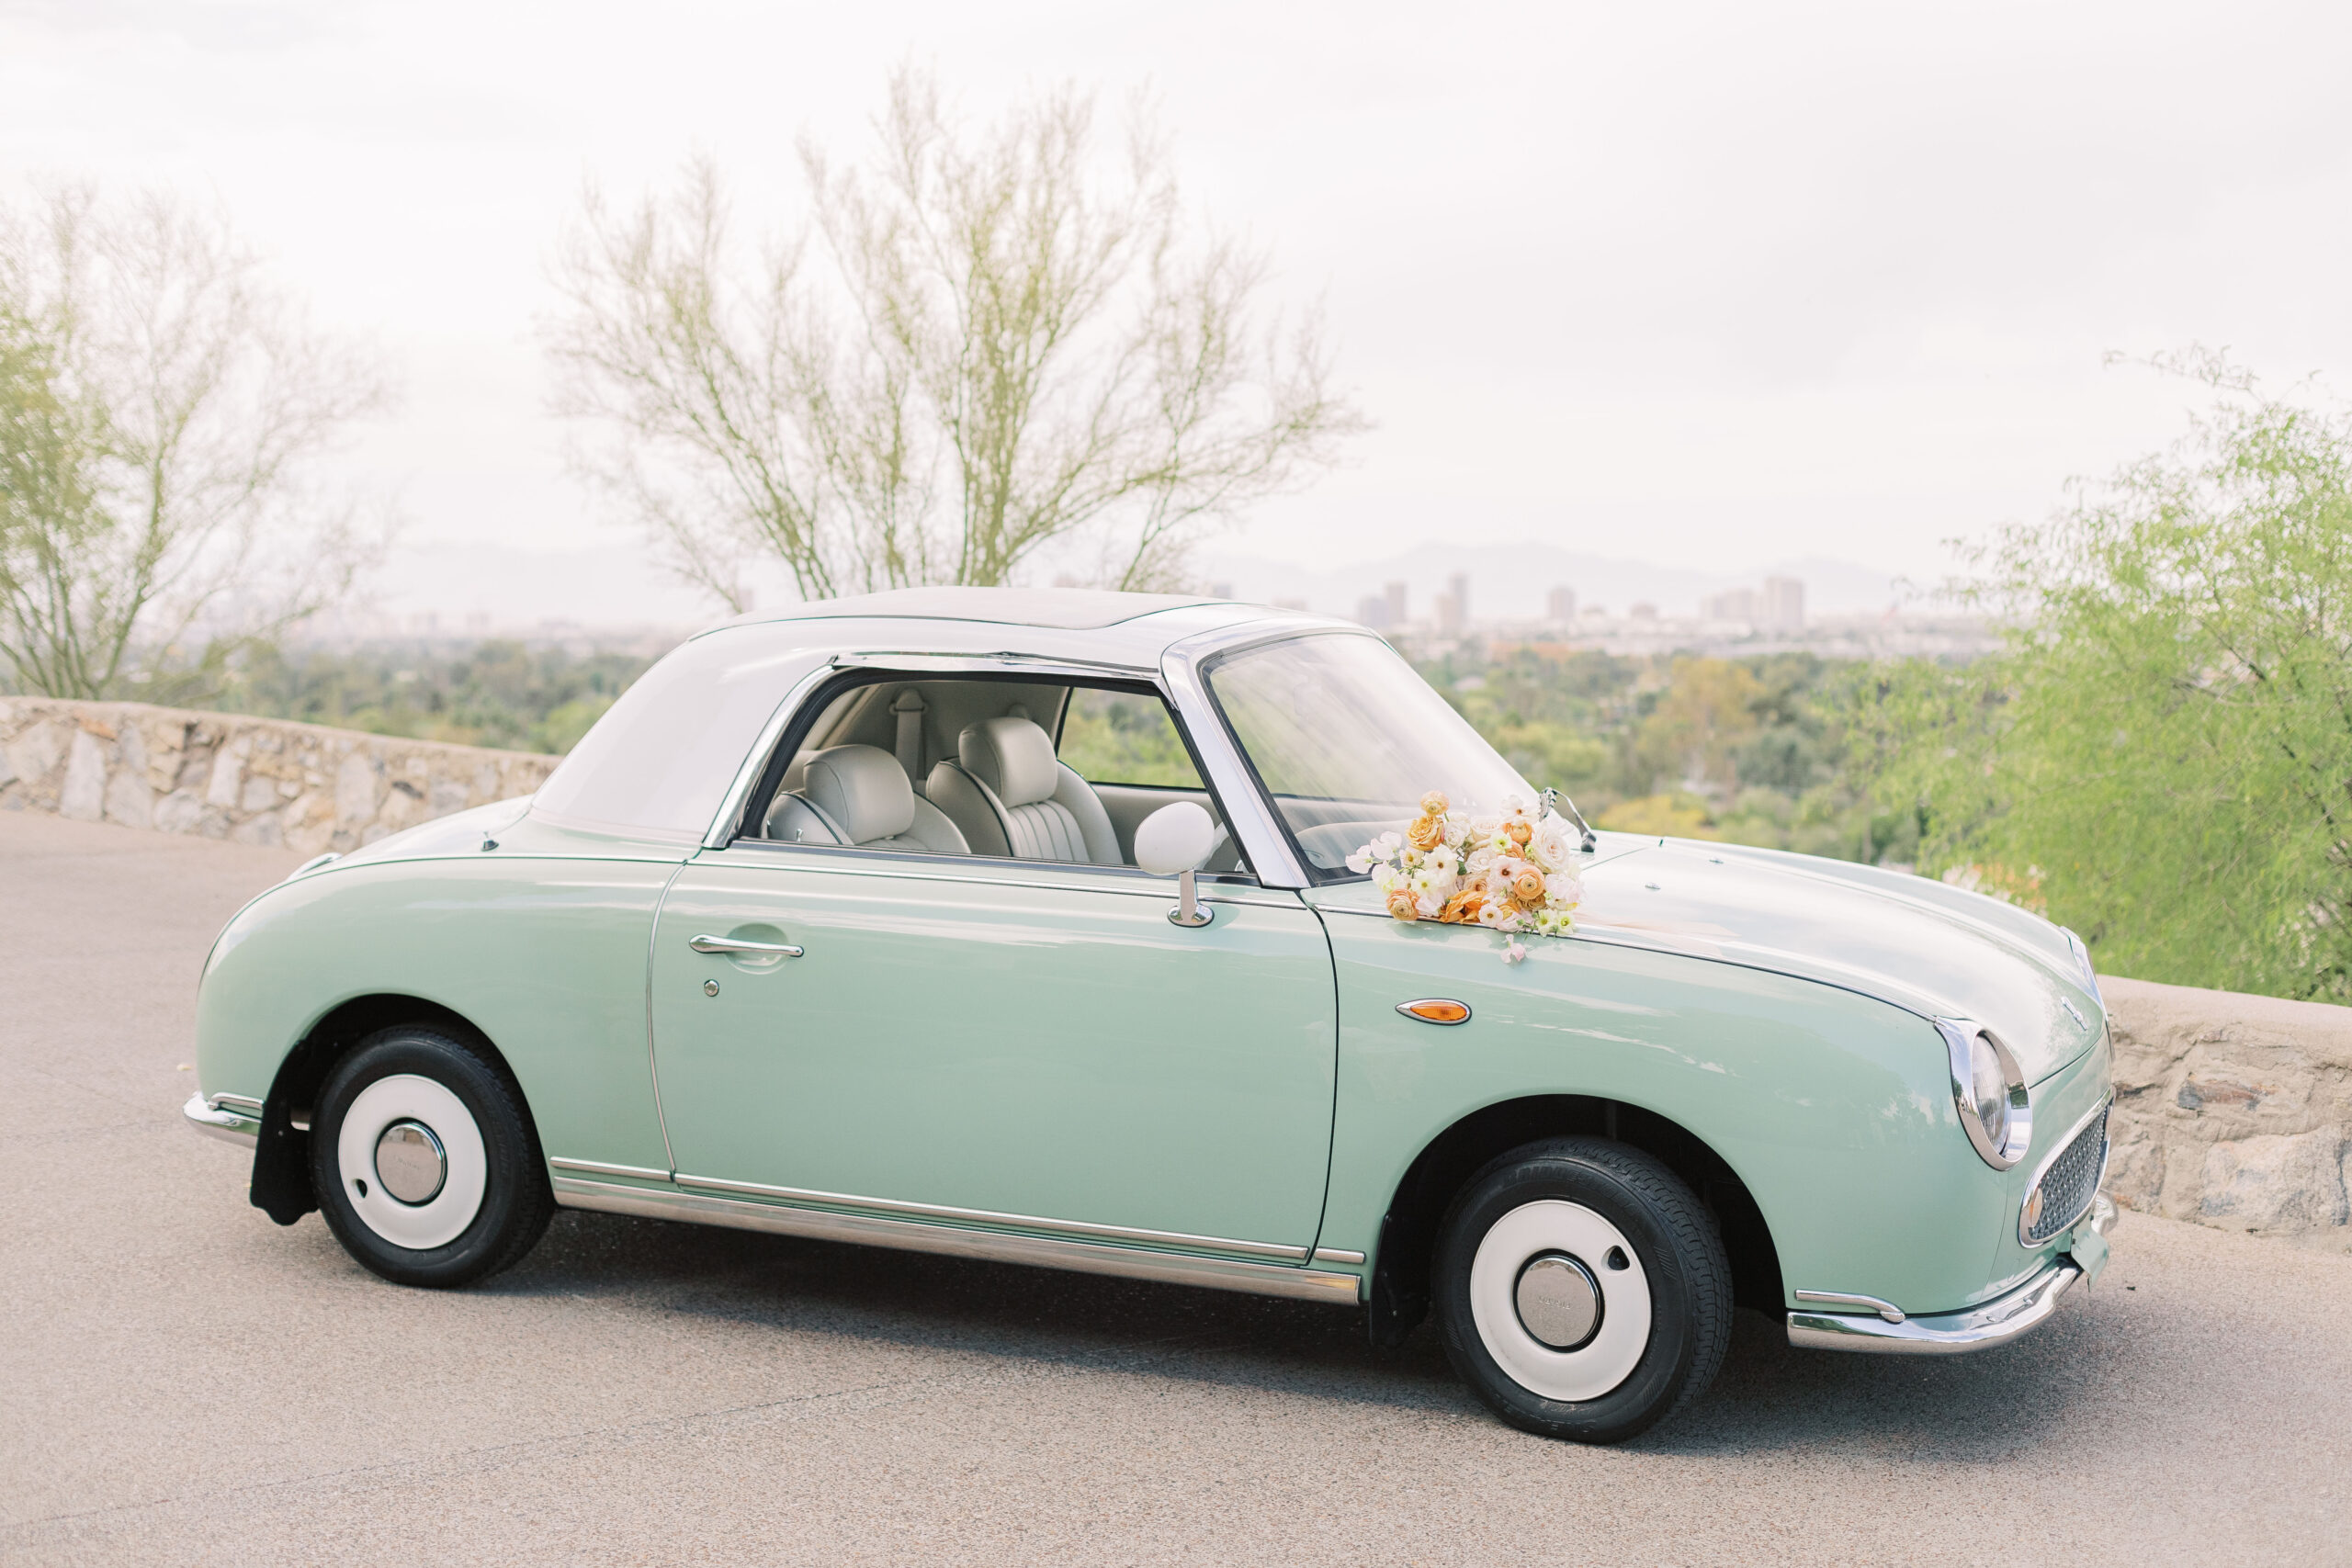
{"x":956,"y":1241}
{"x":1979,"y":1328}
{"x":229,"y":1117}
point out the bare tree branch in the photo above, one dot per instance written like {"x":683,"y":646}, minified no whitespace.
{"x":1007,"y":349}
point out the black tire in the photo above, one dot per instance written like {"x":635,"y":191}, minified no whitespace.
{"x":495,"y":1186}
{"x":1661,"y":1272}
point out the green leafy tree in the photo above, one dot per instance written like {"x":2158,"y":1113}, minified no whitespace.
{"x":2161,"y":754}
{"x":161,"y":414}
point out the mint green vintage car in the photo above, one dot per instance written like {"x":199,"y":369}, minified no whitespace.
{"x":855,"y":921}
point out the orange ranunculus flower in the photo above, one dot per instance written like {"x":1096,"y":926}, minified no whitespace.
{"x":1426,"y":833}
{"x":1463,"y":906}
{"x":1521,"y":829}
{"x":1527,"y":888}
{"x":1434,"y":803}
{"x":1401,"y":905}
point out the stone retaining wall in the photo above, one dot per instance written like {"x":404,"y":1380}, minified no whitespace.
{"x":224,"y":775}
{"x":2232,"y":1110}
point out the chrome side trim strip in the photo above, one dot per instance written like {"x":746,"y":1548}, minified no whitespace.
{"x":1886,"y":1310}
{"x":238,"y":1102}
{"x":228,"y":1119}
{"x":1337,"y":1255}
{"x":799,"y":1195}
{"x":598,"y":1168}
{"x":954,"y":1241}
{"x":1948,"y":1334}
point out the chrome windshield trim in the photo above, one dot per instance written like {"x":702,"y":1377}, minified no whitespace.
{"x":220,"y":1119}
{"x":1947,"y":1334}
{"x":992,"y":664}
{"x":2049,"y":1157}
{"x":1248,"y":812}
{"x":955,"y":1241}
{"x":801,"y":1195}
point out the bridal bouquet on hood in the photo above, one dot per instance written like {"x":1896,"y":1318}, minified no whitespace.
{"x":1514,"y":874}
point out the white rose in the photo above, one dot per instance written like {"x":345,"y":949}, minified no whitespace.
{"x":1549,"y":849}
{"x":1563,"y":888}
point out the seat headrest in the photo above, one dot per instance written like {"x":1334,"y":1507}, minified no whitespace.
{"x":1012,"y":757}
{"x":863,"y":790}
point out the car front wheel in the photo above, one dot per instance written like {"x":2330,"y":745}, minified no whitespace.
{"x":1582,"y":1290}
{"x":424,"y":1160}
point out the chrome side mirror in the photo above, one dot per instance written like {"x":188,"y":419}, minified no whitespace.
{"x":1173,"y":841}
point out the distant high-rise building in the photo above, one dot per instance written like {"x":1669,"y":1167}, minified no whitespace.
{"x":1453,"y":606}
{"x":1395,"y":595}
{"x":1373,"y":612}
{"x":1738,"y":604}
{"x":1784,"y":607}
{"x":1560,"y":606}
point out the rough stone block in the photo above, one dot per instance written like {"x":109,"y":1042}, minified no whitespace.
{"x":228,"y":777}
{"x":129,"y":800}
{"x":35,"y":750}
{"x":260,"y":794}
{"x":2269,"y":1182}
{"x":84,"y":795}
{"x":358,"y":789}
{"x":178,"y":812}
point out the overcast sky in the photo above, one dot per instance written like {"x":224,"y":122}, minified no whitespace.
{"x":1713,"y":284}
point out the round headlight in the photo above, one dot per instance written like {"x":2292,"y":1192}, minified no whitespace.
{"x":1989,"y":1090}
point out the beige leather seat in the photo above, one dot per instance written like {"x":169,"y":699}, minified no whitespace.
{"x":1008,"y":794}
{"x":859,"y":796}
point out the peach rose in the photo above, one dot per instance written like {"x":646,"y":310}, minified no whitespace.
{"x":1426,"y":833}
{"x":1528,"y":886}
{"x":1521,"y":829}
{"x":1401,"y":905}
{"x":1464,"y":906}
{"x":1434,"y":803}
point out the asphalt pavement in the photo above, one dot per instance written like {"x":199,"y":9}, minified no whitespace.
{"x":183,"y":1382}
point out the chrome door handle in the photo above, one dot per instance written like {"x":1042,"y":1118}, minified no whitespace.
{"x":752,"y":948}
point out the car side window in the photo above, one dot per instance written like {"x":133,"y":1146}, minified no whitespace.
{"x":1121,"y":738}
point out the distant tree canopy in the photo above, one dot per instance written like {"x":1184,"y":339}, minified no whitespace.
{"x":2161,"y":756}
{"x":988,"y":345}
{"x":161,"y":408}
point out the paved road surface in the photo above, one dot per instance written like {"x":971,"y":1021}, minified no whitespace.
{"x":183,"y":1382}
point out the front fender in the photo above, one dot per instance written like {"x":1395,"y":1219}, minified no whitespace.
{"x":1834,"y":1108}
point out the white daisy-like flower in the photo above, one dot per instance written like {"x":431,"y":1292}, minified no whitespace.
{"x":1386,"y":878}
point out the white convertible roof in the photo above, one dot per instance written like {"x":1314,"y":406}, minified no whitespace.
{"x":1064,"y":609}
{"x":661,"y":759}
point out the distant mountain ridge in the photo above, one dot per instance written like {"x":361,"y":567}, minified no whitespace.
{"x":1513,"y":581}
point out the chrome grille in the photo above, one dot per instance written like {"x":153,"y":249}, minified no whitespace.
{"x":2070,"y":1183}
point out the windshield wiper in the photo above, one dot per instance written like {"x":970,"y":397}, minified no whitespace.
{"x":1553,"y":798}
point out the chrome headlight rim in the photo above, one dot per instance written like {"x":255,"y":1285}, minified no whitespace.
{"x":1961,"y":1038}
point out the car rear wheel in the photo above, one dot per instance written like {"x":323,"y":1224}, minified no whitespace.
{"x":424,"y":1160}
{"x":1582,"y":1290}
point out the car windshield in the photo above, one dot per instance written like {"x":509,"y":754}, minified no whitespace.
{"x":1347,"y":738}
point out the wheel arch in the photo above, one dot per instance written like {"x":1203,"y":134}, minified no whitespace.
{"x":1400,"y":1279}
{"x":281,"y":1176}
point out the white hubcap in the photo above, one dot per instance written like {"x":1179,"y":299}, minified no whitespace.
{"x":378,"y":1163}
{"x":1553,"y":1273}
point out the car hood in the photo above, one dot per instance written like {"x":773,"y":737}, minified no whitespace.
{"x":1936,"y":950}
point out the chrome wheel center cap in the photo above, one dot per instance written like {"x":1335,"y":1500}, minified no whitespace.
{"x":1559,"y":1301}
{"x":410,"y":1164}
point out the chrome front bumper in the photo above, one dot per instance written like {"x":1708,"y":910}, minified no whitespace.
{"x":228,"y":1116}
{"x":1997,"y":1322}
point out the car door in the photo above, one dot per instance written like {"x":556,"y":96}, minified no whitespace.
{"x":980,"y":1040}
